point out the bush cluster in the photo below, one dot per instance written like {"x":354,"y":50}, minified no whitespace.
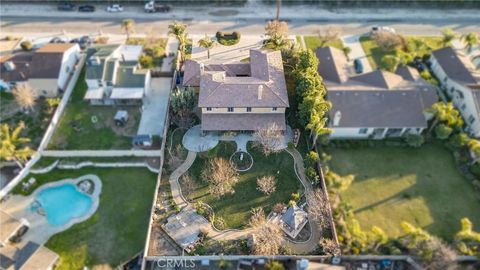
{"x":228,"y":39}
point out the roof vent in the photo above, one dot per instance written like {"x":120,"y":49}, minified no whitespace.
{"x":9,"y":65}
{"x":336,"y":118}
{"x":202,"y":67}
{"x":260,"y":92}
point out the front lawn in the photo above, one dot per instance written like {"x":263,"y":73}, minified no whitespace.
{"x":235,"y":209}
{"x":393,"y":184}
{"x":313,"y":42}
{"x":118,"y":229}
{"x":78,"y":129}
{"x":375,"y":53}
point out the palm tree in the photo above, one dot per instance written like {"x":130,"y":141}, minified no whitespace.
{"x":12,"y":145}
{"x":128,"y":25}
{"x":206,"y":43}
{"x":447,"y":36}
{"x":470,"y":39}
{"x":179,"y":31}
{"x":25,"y":96}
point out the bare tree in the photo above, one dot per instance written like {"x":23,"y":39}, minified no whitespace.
{"x":388,"y":41}
{"x":319,"y":207}
{"x":276,"y":28}
{"x":278,"y":208}
{"x":267,"y":184}
{"x":329,"y":35}
{"x":221,"y":176}
{"x":329,"y":247}
{"x":267,"y":236}
{"x":269,"y":139}
{"x":25,"y":96}
{"x":187,"y":184}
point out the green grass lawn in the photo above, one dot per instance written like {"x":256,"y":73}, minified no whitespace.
{"x":117,"y":230}
{"x":375,"y":54}
{"x":313,"y":42}
{"x":100,"y":135}
{"x":235,"y":209}
{"x":394,"y":184}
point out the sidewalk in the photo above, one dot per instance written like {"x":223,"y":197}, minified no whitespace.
{"x":253,"y":10}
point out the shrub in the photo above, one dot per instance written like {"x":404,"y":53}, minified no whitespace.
{"x":443,"y":131}
{"x":228,"y":39}
{"x":295,"y":196}
{"x":146,"y":61}
{"x":414,"y":140}
{"x":219,"y":223}
{"x":26,"y":46}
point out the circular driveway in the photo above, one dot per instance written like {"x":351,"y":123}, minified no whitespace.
{"x":195,"y":141}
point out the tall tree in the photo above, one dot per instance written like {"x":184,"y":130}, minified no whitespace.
{"x":470,"y":40}
{"x":128,"y":26}
{"x":448,"y":35}
{"x":25,"y":96}
{"x":445,"y":113}
{"x":183,"y":102}
{"x":13,"y":146}
{"x":179,"y":30}
{"x":207,"y":43}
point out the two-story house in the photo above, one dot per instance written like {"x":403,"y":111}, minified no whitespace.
{"x":240,"y":96}
{"x":377,"y":104}
{"x":114,"y":76}
{"x":461,"y":81}
{"x":47,"y":69}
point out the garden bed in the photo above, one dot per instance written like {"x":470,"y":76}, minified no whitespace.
{"x":228,"y":39}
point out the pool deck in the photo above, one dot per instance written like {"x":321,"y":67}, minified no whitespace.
{"x":39,"y":229}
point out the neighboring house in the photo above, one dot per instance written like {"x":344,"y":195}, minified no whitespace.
{"x":114,"y":76}
{"x":377,"y":104}
{"x":461,"y":81}
{"x":240,"y":96}
{"x":47,"y":69}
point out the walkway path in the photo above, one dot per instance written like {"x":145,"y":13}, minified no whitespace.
{"x":102,"y":153}
{"x":232,"y":234}
{"x":356,"y":51}
{"x":174,"y":177}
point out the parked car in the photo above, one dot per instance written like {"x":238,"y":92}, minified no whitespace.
{"x":151,"y":7}
{"x":86,"y":8}
{"x":382,"y":28}
{"x":114,"y":8}
{"x":357,"y":63}
{"x":84,"y":42}
{"x":65,"y":6}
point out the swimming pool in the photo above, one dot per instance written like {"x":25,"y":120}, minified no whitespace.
{"x":63,"y":203}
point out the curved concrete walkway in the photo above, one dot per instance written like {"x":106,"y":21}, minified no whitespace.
{"x":232,"y":234}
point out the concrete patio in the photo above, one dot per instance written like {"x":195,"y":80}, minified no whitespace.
{"x":155,"y":107}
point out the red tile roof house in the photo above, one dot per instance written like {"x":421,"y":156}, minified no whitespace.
{"x":240,"y":96}
{"x":377,"y":104}
{"x":46,"y":69}
{"x":461,"y":80}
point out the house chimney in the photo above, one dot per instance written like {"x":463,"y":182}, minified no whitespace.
{"x":336,"y":118}
{"x":202,"y":68}
{"x":260,"y":92}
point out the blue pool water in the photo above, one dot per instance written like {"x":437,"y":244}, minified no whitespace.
{"x":63,"y":203}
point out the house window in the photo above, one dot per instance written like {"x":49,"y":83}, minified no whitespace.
{"x":363,"y":131}
{"x":100,"y":83}
{"x":463,"y":106}
{"x":230,"y":109}
{"x":471,"y":119}
{"x":274,"y":109}
{"x":249,"y":109}
{"x":209,"y":109}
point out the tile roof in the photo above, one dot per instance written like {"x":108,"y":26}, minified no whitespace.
{"x":380,"y":108}
{"x":332,"y":64}
{"x":455,"y":66}
{"x":219,"y":90}
{"x":191,"y":72}
{"x":241,"y":121}
{"x":9,"y":225}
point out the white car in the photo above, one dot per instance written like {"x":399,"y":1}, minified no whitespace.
{"x":115,"y":8}
{"x":383,"y":28}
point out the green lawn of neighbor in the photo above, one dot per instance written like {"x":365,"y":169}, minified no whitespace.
{"x":393,"y":184}
{"x":76,"y":131}
{"x":375,"y":54}
{"x":118,"y":229}
{"x":235,"y":208}
{"x":313,"y":42}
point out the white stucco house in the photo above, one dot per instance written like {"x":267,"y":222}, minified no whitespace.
{"x":461,"y":80}
{"x":114,"y":76}
{"x":47,"y":69}
{"x":377,"y":104}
